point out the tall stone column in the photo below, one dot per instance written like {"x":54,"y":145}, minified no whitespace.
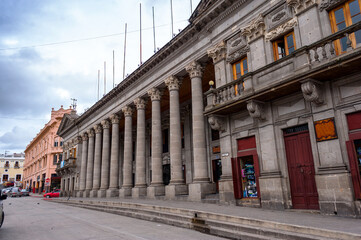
{"x":114,"y":158}
{"x":90,"y":164}
{"x":157,"y":187}
{"x":201,"y":184}
{"x":97,"y":160}
{"x":140,"y":183}
{"x":83,"y":165}
{"x":62,"y":187}
{"x":126,"y":189}
{"x":105,"y":162}
{"x":176,"y":186}
{"x":71,"y":185}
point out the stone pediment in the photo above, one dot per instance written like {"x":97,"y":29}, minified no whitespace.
{"x":67,"y":122}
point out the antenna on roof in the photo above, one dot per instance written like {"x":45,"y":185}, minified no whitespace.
{"x":191,"y":7}
{"x":125,"y":48}
{"x":73,"y":104}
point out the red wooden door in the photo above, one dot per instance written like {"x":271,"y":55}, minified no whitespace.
{"x":301,"y":171}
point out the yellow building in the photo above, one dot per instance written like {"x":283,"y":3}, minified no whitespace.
{"x":11,"y":168}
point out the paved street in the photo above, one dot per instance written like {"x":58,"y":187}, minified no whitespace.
{"x":33,"y":218}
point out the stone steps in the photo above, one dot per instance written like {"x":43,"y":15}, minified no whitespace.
{"x":227,"y":226}
{"x":211,"y":198}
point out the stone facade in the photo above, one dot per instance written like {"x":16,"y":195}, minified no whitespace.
{"x":184,"y":125}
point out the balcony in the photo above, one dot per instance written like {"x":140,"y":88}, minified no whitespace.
{"x":318,"y":61}
{"x":66,"y":166}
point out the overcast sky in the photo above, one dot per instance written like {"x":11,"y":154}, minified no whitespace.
{"x":50,"y":51}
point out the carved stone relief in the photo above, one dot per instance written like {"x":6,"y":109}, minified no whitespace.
{"x":300,"y":5}
{"x":255,"y":29}
{"x":217,"y":123}
{"x":279,"y":31}
{"x":236,"y":47}
{"x":218,"y":52}
{"x":278,"y":16}
{"x":255,"y":109}
{"x":328,"y":4}
{"x":312,"y":91}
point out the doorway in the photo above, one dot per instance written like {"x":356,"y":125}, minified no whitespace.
{"x":301,"y":170}
{"x":217,"y":172}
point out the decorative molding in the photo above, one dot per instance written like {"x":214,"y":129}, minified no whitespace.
{"x":236,"y":47}
{"x":105,"y":124}
{"x":114,"y":118}
{"x":98,"y":128}
{"x":281,"y":29}
{"x":173,"y":83}
{"x":238,"y":54}
{"x":300,"y":5}
{"x":84,"y":137}
{"x":91,"y":133}
{"x":127,"y":111}
{"x":255,"y":109}
{"x":328,"y":4}
{"x":139,"y":103}
{"x":155,"y":94}
{"x":195,"y":70}
{"x":218,"y":52}
{"x":278,"y":16}
{"x":312,"y":91}
{"x":217,"y":123}
{"x":78,"y":140}
{"x":255,"y":29}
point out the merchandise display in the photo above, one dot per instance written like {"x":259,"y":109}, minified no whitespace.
{"x":249,"y":185}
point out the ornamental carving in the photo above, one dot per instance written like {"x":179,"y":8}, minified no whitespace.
{"x":255,"y":29}
{"x":84,"y":137}
{"x":77,"y":140}
{"x":312,"y":91}
{"x":217,"y":123}
{"x":139,"y":103}
{"x":194,"y":70}
{"x":128,"y":111}
{"x":114,"y":118}
{"x":91,"y":133}
{"x":300,"y":5}
{"x":236,"y":47}
{"x":173,"y":83}
{"x":105,"y":124}
{"x":328,"y":4}
{"x":155,"y":94}
{"x":98,"y":128}
{"x":238,"y":54}
{"x":281,"y":29}
{"x":255,"y":109}
{"x":218,"y":52}
{"x":278,"y":16}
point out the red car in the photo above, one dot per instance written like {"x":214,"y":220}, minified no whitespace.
{"x":52,"y":194}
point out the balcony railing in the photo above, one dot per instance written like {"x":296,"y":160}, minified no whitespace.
{"x":313,"y":56}
{"x":66,"y":164}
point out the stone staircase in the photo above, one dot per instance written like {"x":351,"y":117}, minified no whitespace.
{"x":227,"y":226}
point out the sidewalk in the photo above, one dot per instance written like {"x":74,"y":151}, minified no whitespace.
{"x":314,"y":220}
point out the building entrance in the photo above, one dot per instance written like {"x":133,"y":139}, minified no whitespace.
{"x":301,"y":170}
{"x":217,"y":172}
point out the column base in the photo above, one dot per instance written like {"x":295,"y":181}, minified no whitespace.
{"x":79,"y":194}
{"x":139,"y":192}
{"x":172,"y":190}
{"x":112,"y":192}
{"x":86,"y":193}
{"x":102,"y":193}
{"x":154,"y":191}
{"x":226,"y":191}
{"x":125,"y":192}
{"x":93,"y":193}
{"x":197,"y":191}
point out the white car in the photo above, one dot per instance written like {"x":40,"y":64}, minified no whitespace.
{"x":2,"y":197}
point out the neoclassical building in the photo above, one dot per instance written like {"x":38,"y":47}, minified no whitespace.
{"x":255,"y":103}
{"x":43,"y":153}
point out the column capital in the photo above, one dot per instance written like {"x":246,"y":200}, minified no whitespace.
{"x":128,"y":111}
{"x":114,"y":118}
{"x":84,"y":137}
{"x":155,"y":94}
{"x":90,"y":133}
{"x":194,"y":69}
{"x":218,"y":52}
{"x":140,"y":103}
{"x":78,"y":140}
{"x":173,"y":83}
{"x":98,"y":128}
{"x":105,"y":124}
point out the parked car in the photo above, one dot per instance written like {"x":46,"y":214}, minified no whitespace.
{"x":15,"y":192}
{"x":6,"y":190}
{"x":2,"y":215}
{"x":24,"y":192}
{"x":52,"y":194}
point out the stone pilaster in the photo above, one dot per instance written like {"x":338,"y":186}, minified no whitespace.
{"x":157,"y":187}
{"x":140,"y":183}
{"x":105,"y":159}
{"x":83,"y":165}
{"x":176,"y":186}
{"x":90,"y":164}
{"x":201,"y":184}
{"x":114,"y":158}
{"x":97,"y":160}
{"x":128,"y":149}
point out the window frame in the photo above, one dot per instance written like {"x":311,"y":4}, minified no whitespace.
{"x":348,"y":21}
{"x":283,"y":39}
{"x":234,"y":68}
